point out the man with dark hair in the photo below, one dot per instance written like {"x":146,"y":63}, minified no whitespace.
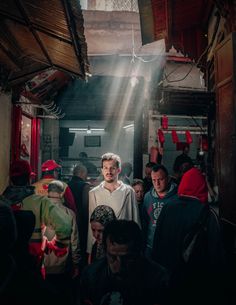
{"x":114,"y":193}
{"x":124,"y":275}
{"x":182,"y":163}
{"x":50,"y":171}
{"x":147,"y":180}
{"x":80,"y":189}
{"x":162,"y":193}
{"x":138,"y":187}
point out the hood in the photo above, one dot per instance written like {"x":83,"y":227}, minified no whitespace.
{"x":172,"y":190}
{"x":193,"y":184}
{"x":18,"y":193}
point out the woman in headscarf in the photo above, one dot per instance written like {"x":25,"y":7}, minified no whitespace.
{"x":100,"y":217}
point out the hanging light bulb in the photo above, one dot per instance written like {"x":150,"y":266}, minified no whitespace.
{"x":201,"y":151}
{"x":89,"y":130}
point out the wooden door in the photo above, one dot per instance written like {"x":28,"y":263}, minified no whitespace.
{"x":225,"y":69}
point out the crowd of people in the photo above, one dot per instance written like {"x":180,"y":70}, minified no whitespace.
{"x":145,"y":241}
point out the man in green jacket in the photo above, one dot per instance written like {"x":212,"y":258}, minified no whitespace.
{"x":22,"y":197}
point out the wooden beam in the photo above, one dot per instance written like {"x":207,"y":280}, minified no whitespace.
{"x":12,"y":58}
{"x":73,"y":33}
{"x":22,"y":10}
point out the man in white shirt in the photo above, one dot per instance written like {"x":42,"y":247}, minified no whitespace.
{"x":114,"y":193}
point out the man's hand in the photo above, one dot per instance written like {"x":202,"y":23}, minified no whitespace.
{"x":56,"y":247}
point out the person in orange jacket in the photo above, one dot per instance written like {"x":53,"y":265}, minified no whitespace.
{"x":50,"y":171}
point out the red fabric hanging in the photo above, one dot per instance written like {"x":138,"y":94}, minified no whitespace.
{"x":161,"y":137}
{"x":174,"y":135}
{"x":154,"y":154}
{"x":189,"y":138}
{"x":164,"y":122}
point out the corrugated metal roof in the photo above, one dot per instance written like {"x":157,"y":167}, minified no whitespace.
{"x":38,"y":34}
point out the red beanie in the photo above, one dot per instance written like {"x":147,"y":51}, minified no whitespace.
{"x":193,"y":183}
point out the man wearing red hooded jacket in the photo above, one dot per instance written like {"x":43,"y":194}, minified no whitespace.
{"x":188,"y":243}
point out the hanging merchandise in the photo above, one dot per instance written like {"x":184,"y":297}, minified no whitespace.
{"x":161,"y":137}
{"x":154,"y":154}
{"x":204,"y":142}
{"x":189,"y":138}
{"x":174,"y":135}
{"x":164,"y":122}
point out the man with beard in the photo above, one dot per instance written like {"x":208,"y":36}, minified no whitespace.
{"x":114,"y":193}
{"x":124,"y":276}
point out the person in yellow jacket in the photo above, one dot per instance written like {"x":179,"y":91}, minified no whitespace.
{"x":50,"y":171}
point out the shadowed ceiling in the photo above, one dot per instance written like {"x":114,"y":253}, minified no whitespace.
{"x":37,"y":35}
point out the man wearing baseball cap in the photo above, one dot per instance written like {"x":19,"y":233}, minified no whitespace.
{"x":50,"y":171}
{"x":21,"y":196}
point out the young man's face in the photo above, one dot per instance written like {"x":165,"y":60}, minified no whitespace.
{"x":139,"y":192}
{"x":119,"y":258}
{"x":110,"y":171}
{"x":160,"y":181}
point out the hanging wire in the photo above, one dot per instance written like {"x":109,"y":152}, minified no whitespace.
{"x":52,"y":110}
{"x":200,"y":57}
{"x":134,"y":55}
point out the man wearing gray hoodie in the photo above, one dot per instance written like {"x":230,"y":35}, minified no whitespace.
{"x":162,"y":192}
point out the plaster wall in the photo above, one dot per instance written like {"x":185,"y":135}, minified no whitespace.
{"x":183,"y":76}
{"x":110,"y":33}
{"x":50,"y":140}
{"x":5,"y":139}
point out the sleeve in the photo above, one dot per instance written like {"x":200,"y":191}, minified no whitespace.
{"x":75,"y":245}
{"x":60,"y":221}
{"x":135,"y":209}
{"x":92,"y":206}
{"x":85,"y":202}
{"x":69,"y":198}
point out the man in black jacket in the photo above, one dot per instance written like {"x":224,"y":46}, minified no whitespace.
{"x":124,"y":275}
{"x":188,"y":243}
{"x":80,"y":189}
